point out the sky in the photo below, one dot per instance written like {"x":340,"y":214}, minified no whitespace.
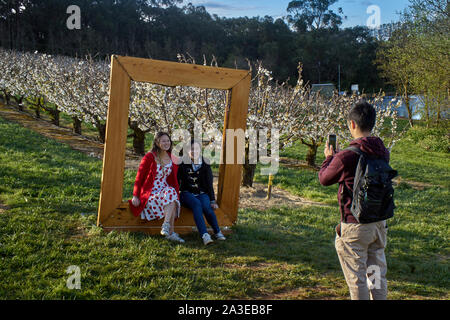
{"x":355,"y":10}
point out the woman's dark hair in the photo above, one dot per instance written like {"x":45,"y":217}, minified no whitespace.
{"x":155,"y":147}
{"x":364,"y":115}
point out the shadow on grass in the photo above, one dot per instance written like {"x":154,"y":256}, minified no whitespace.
{"x":282,"y":236}
{"x":284,"y":246}
{"x":304,"y":244}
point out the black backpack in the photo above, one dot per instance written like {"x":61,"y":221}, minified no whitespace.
{"x":373,"y":193}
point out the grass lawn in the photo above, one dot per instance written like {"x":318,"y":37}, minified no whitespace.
{"x":52,"y":194}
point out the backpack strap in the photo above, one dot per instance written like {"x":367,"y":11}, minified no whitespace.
{"x":356,"y":150}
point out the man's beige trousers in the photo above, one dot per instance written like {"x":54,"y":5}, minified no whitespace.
{"x":360,"y":249}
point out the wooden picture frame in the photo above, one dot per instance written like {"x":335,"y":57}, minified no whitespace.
{"x":113,"y":213}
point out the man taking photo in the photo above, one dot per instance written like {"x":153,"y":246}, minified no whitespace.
{"x":361,"y":241}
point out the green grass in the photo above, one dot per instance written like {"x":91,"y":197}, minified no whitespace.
{"x":52,"y":194}
{"x":415,"y":161}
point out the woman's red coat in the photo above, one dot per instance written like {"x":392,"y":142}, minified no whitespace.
{"x":145,"y":177}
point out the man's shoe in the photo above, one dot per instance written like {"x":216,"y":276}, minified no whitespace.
{"x":207,"y":239}
{"x":220,"y":236}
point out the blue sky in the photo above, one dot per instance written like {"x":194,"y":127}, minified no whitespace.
{"x":355,"y":10}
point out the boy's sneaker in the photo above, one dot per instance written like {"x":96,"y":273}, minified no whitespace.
{"x":220,"y":236}
{"x":165,"y":229}
{"x":175,"y":237}
{"x":206,"y":239}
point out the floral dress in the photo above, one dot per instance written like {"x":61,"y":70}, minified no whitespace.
{"x":162,"y":194}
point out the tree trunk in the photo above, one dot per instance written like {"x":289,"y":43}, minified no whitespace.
{"x":139,"y":141}
{"x":76,"y":125}
{"x":248,"y":174}
{"x":438,"y":117}
{"x":248,"y":169}
{"x":35,"y":105}
{"x":427,"y":110}
{"x":408,"y":107}
{"x":7,"y":97}
{"x":19,"y":102}
{"x":37,"y":109}
{"x":311,"y":155}
{"x":55,"y":116}
{"x":101,"y":131}
{"x":54,"y":113}
{"x":438,"y":113}
{"x":138,"y":138}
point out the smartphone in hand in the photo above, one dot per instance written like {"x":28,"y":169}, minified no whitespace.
{"x":332,"y":141}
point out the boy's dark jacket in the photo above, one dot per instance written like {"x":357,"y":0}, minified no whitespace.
{"x":342,"y":167}
{"x":205,"y":179}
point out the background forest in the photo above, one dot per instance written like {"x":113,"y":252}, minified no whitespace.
{"x":160,"y":29}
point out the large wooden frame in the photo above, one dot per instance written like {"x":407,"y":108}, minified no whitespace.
{"x":113,"y":213}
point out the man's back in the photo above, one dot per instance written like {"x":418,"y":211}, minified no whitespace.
{"x":342,"y":167}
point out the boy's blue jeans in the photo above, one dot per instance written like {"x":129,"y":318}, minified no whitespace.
{"x":200,"y":204}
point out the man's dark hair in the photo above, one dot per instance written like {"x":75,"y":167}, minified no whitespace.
{"x":364,"y":115}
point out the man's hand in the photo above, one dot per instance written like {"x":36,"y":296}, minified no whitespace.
{"x":135,"y":201}
{"x":328,"y":152}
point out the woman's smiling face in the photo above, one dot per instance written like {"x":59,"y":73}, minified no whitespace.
{"x":164,"y":143}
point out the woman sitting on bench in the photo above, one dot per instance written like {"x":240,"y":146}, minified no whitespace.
{"x":155,"y":193}
{"x":197,"y":192}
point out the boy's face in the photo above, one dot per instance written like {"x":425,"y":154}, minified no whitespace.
{"x":194,"y":152}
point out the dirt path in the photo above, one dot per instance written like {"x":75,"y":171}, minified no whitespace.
{"x":255,"y":198}
{"x":304,"y":293}
{"x":63,"y":135}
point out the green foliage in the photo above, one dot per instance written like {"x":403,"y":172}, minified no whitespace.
{"x":313,"y":14}
{"x":415,"y":58}
{"x":322,"y":51}
{"x":431,"y":139}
